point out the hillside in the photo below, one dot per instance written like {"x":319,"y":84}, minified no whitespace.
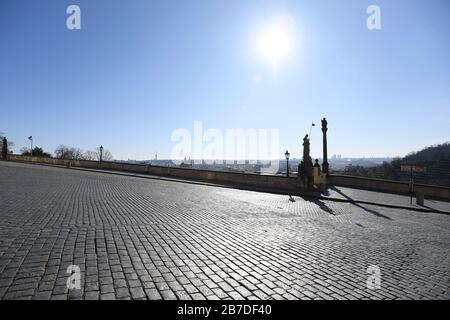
{"x":435,"y":160}
{"x":433,"y":153}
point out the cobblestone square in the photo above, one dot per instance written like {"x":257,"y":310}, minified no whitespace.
{"x":135,"y":238}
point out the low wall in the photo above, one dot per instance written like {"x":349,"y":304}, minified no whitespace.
{"x":389,"y":186}
{"x":269,"y":182}
{"x":250,"y":180}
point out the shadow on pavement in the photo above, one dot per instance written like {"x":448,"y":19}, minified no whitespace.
{"x":319,"y":203}
{"x":376,"y":213}
{"x":324,"y":207}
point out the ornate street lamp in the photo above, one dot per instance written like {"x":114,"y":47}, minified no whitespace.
{"x":287,"y":155}
{"x":31,"y":140}
{"x":101,"y":154}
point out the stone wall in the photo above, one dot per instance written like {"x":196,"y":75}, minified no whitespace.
{"x":389,"y":186}
{"x":248,"y":180}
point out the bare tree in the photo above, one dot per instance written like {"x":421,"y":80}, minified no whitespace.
{"x":69,"y":153}
{"x":95,"y":155}
{"x":90,"y":155}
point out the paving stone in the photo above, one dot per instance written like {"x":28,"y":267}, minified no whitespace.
{"x":42,"y":295}
{"x":168,"y":295}
{"x":137,"y":292}
{"x":153,"y":294}
{"x":122,"y":292}
{"x":108,"y":296}
{"x":92,"y":295}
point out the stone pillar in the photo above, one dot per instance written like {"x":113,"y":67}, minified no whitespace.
{"x":325,"y":155}
{"x":317,"y":180}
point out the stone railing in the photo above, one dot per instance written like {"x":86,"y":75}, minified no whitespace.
{"x":248,"y":180}
{"x":389,"y":186}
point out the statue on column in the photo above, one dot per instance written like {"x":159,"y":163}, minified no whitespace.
{"x":305,"y":168}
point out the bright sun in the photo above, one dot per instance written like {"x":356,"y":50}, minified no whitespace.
{"x":275,"y":42}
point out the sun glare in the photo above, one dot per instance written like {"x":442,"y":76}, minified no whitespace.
{"x":275,"y":42}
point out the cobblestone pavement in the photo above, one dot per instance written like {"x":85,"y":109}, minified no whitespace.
{"x":136,"y":238}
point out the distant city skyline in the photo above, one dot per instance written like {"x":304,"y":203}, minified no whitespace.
{"x":137,"y":71}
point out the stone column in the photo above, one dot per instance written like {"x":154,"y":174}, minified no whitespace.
{"x":325,"y":156}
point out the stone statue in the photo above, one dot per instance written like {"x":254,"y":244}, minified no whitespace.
{"x":306,"y":147}
{"x":305,"y":168}
{"x":324,"y":124}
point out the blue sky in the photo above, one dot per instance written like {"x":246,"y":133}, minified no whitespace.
{"x":138,"y":70}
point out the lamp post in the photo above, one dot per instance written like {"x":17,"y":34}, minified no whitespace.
{"x":325,"y":165}
{"x":31,"y":141}
{"x":287,"y":155}
{"x":101,"y":154}
{"x":310,"y":129}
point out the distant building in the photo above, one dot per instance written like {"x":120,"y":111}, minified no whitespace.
{"x":186,"y":163}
